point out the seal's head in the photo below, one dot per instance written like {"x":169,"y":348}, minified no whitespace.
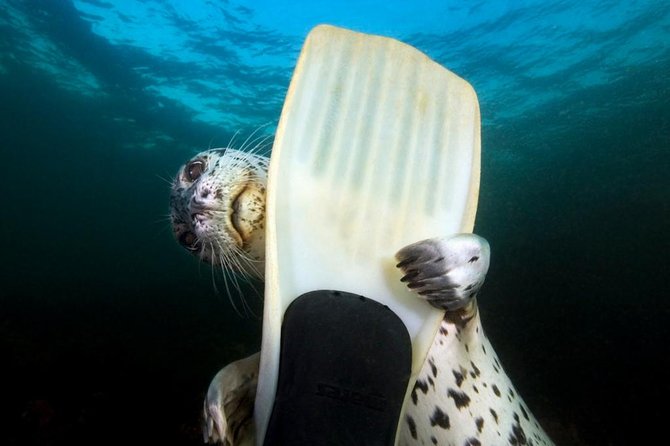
{"x":217,"y":209}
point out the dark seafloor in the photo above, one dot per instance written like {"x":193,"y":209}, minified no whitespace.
{"x":109,"y":333}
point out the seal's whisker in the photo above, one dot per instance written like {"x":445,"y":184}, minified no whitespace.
{"x":240,"y":255}
{"x":235,"y":280}
{"x":163,"y":228}
{"x":251,"y":144}
{"x":255,"y":151}
{"x":233,"y":263}
{"x":237,"y":266}
{"x":232,"y":139}
{"x":249,"y":310}
{"x":163,"y":219}
{"x":227,"y":276}
{"x":257,"y":144}
{"x":244,"y":144}
{"x":216,"y":290}
{"x":211,"y":143}
{"x":250,"y":268}
{"x":164,"y":179}
{"x":252,"y":262}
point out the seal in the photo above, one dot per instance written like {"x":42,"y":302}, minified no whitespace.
{"x":217,"y":211}
{"x":462,"y":395}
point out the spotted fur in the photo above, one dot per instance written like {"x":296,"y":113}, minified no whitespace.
{"x":462,"y":395}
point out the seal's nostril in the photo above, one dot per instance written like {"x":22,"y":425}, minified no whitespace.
{"x":197,"y":203}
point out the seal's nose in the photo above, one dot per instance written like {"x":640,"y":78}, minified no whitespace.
{"x":197,"y":203}
{"x":200,"y":197}
{"x":205,"y":192}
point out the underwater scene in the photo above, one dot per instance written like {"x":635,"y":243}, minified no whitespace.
{"x":110,"y":331}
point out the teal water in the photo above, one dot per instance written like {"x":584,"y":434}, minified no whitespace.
{"x":109,"y":332}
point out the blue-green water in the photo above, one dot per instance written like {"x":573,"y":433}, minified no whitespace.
{"x":109,"y":332}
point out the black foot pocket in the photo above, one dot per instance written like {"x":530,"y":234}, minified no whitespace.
{"x":344,"y":367}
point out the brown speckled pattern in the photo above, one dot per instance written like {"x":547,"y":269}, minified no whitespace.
{"x":462,"y":395}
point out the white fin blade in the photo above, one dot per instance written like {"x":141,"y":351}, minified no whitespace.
{"x":377,"y":147}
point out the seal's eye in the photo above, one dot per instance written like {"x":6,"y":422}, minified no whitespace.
{"x":189,"y":241}
{"x":193,"y":170}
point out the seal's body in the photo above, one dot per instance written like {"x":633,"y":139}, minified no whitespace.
{"x":462,"y":395}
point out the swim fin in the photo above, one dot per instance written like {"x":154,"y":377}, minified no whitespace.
{"x":377,"y":147}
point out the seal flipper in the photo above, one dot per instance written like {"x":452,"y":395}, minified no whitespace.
{"x":344,"y":368}
{"x":446,"y":271}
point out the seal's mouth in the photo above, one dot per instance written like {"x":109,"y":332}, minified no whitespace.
{"x":198,"y":218}
{"x":235,"y":214}
{"x":226,"y":217}
{"x":198,"y":210}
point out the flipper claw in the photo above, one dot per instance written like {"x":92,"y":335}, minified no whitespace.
{"x":447,"y":272}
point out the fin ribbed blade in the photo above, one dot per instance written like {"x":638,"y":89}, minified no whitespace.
{"x":377,"y":147}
